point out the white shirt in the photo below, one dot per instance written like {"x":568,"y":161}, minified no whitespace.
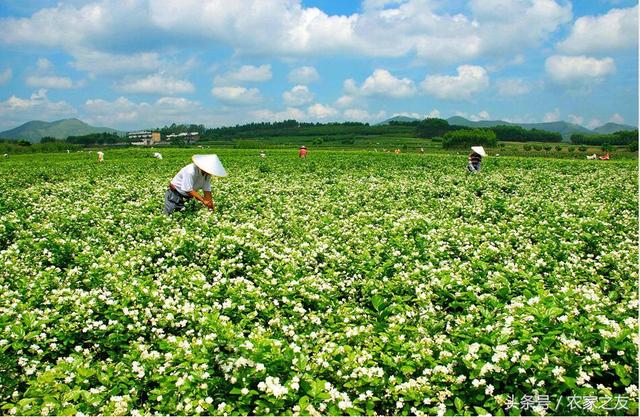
{"x":190,"y":178}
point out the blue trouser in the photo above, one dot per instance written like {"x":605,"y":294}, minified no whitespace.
{"x":473,"y":167}
{"x":173,"y":201}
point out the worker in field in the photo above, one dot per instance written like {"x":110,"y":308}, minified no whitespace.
{"x":100,"y":156}
{"x":193,"y":177}
{"x":303,"y":152}
{"x":475,"y":158}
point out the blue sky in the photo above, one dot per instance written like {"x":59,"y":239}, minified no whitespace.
{"x":133,"y":64}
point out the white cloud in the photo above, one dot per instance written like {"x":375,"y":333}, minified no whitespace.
{"x":303,"y":75}
{"x":43,"y":64}
{"x":381,"y":83}
{"x":291,"y":113}
{"x":123,"y":112}
{"x":5,"y":75}
{"x":434,"y":114}
{"x":345,"y":101}
{"x":360,"y":115}
{"x":617,"y":29}
{"x":288,"y":28}
{"x":616,"y":118}
{"x":319,"y":111}
{"x":469,"y":81}
{"x":512,"y":87}
{"x":593,"y":123}
{"x":49,"y":81}
{"x":298,"y":96}
{"x":96,"y":62}
{"x":483,"y":115}
{"x":578,"y":120}
{"x":552,"y":116}
{"x":43,"y":77}
{"x":246,"y":73}
{"x":237,"y":95}
{"x":578,"y":70}
{"x":16,"y":110}
{"x":160,"y":84}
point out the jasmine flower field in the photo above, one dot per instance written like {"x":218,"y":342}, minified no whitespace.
{"x":346,"y":283}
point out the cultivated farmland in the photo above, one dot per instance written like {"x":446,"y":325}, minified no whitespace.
{"x":346,"y":283}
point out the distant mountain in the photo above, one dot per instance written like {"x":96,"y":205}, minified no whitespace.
{"x":35,"y":130}
{"x":612,"y":128}
{"x":403,"y":119}
{"x":566,"y":129}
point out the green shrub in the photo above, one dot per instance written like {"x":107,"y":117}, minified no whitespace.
{"x":469,"y":137}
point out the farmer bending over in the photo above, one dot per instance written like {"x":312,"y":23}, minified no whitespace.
{"x":475,"y":157}
{"x":190,"y":179}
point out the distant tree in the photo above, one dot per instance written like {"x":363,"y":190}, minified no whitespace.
{"x":469,"y":137}
{"x":23,"y":143}
{"x":429,"y":128}
{"x":618,"y":138}
{"x":47,"y":139}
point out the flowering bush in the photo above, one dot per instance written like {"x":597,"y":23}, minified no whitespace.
{"x":346,"y":283}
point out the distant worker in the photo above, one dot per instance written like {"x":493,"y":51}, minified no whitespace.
{"x":190,"y":179}
{"x":475,"y":158}
{"x":397,"y":151}
{"x":605,"y":157}
{"x":303,"y":152}
{"x":100,"y":156}
{"x":263,"y":155}
{"x":594,"y":156}
{"x":157,"y":155}
{"x":421,"y":150}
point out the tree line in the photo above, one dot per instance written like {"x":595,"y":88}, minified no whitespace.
{"x":625,"y":137}
{"x":430,"y":128}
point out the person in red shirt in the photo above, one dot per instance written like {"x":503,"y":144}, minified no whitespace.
{"x":303,"y":152}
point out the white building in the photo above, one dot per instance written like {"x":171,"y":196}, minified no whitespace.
{"x":186,"y":137}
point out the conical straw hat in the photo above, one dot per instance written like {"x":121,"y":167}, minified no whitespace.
{"x":479,"y":150}
{"x":210,"y":164}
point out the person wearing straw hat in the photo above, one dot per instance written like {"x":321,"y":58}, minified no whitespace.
{"x":475,"y":157}
{"x":190,"y":179}
{"x":303,"y":152}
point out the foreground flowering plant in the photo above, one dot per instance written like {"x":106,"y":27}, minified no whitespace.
{"x":345,"y":283}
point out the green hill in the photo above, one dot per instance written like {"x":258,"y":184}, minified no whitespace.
{"x":612,"y":128}
{"x":403,"y":119}
{"x":35,"y":130}
{"x":564,"y":128}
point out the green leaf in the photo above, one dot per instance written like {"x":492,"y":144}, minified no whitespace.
{"x":480,"y":410}
{"x":459,"y":404}
{"x":378,"y":302}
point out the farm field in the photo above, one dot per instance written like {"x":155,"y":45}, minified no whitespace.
{"x":346,"y":283}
